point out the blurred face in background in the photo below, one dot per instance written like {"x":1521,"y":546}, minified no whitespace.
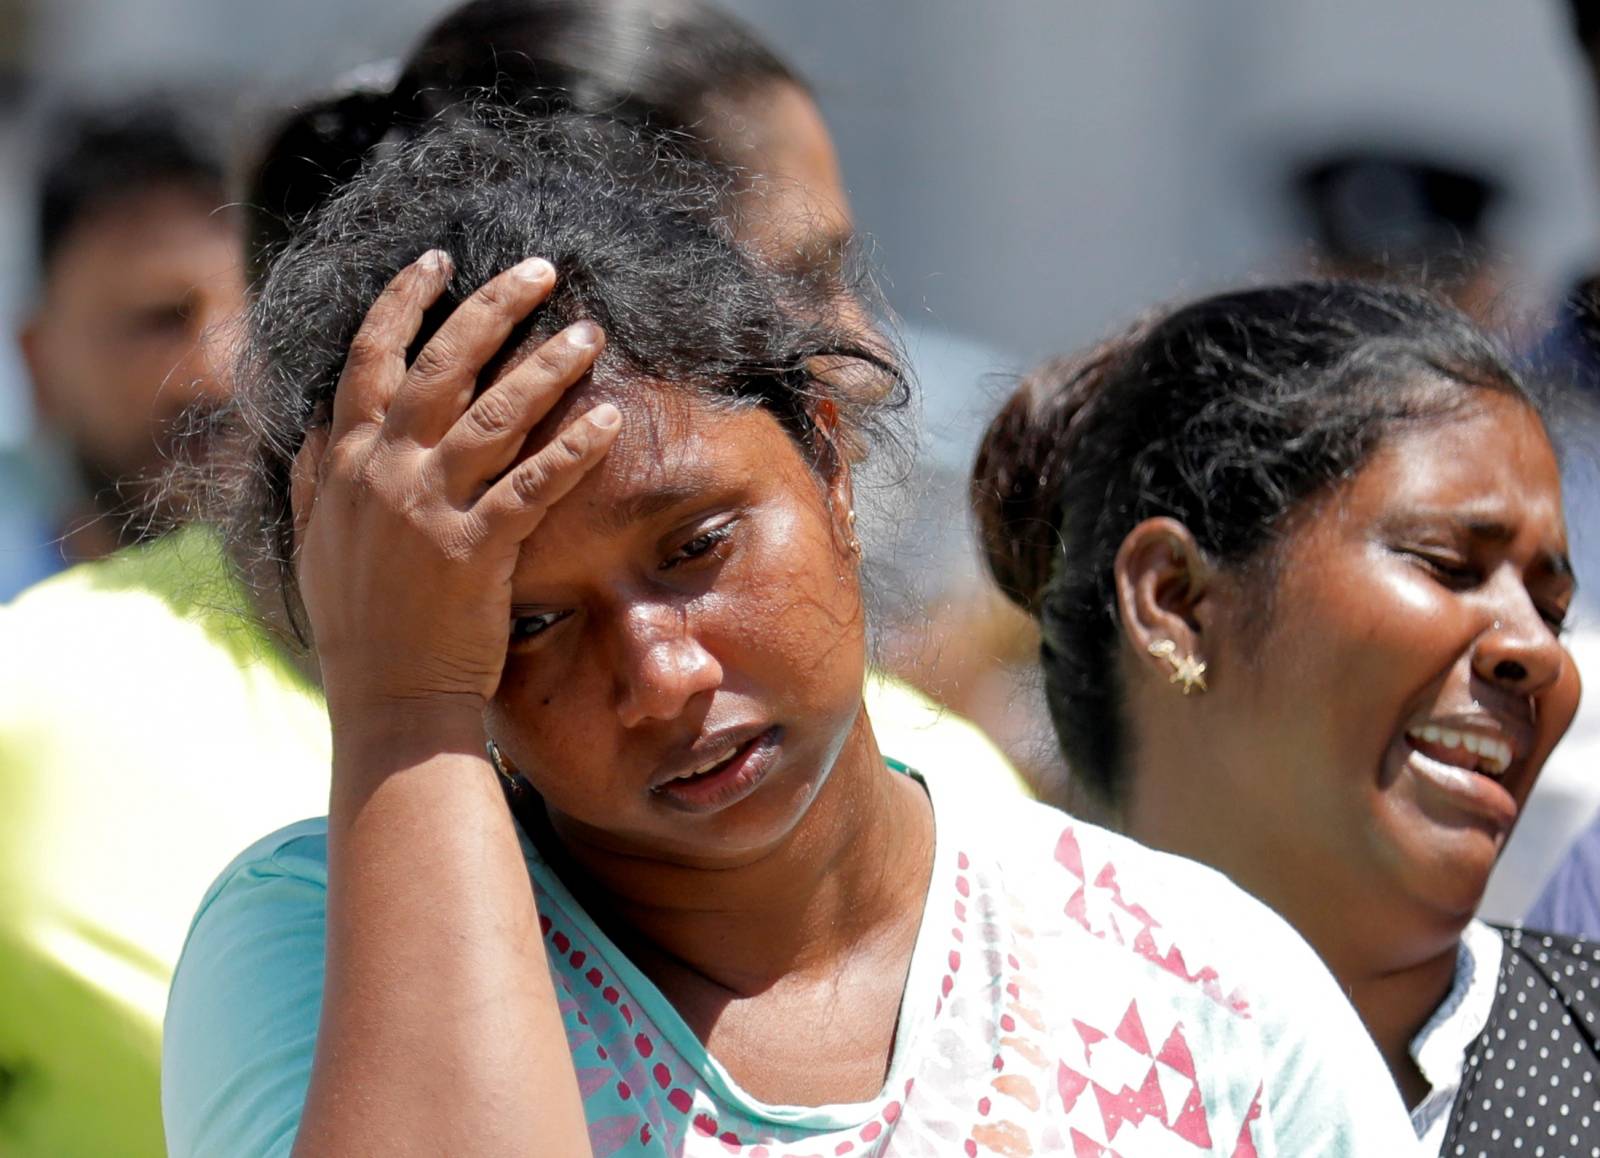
{"x":129,"y":332}
{"x":797,"y":212}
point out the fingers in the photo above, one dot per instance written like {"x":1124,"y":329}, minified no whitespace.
{"x":487,"y":438}
{"x":375,"y":364}
{"x":515,"y":505}
{"x":444,"y":376}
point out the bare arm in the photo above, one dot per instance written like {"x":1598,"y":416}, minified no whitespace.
{"x":440,"y":1032}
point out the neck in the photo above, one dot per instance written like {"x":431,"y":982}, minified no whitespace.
{"x":1395,"y":1005}
{"x":855,"y":866}
{"x":1395,"y":966}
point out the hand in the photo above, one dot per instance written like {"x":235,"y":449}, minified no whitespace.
{"x":409,"y":512}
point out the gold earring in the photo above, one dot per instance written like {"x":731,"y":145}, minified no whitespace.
{"x":1188,"y":670}
{"x":855,"y":543}
{"x":497,"y":758}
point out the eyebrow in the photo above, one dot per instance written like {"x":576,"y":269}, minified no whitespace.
{"x":1499,"y":533}
{"x":1489,"y":529}
{"x":648,"y":504}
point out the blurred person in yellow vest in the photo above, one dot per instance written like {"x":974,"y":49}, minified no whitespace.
{"x":138,"y":266}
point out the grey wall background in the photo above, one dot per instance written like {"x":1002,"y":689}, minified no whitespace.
{"x":1032,"y":170}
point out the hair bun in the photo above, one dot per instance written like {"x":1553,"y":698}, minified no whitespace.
{"x":1016,"y":489}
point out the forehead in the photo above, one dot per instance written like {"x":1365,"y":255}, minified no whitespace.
{"x":1491,"y":460}
{"x":797,"y":197}
{"x":162,"y":234}
{"x":675,"y":443}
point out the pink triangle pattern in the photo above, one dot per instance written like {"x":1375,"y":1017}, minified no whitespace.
{"x":1175,"y":1053}
{"x":1069,"y":855}
{"x":1245,"y":1147}
{"x":1131,"y":1031}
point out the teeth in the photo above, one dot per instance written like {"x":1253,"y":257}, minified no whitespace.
{"x":1494,"y":756}
{"x":704,"y":768}
{"x":1497,"y":755}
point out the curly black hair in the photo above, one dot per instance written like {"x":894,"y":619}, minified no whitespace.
{"x":1228,"y":415}
{"x":633,"y":227}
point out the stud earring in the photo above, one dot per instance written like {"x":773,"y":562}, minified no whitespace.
{"x":1186,"y":669}
{"x":855,"y":543}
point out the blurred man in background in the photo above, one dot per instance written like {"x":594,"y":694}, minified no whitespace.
{"x":139,"y":268}
{"x":98,"y":828}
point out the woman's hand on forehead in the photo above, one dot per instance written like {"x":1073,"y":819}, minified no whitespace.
{"x":411,"y":510}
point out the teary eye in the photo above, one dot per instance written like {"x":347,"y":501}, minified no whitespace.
{"x":701,"y":545}
{"x":525,"y":627}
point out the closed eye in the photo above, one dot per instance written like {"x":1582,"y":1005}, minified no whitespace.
{"x":1556,"y":618}
{"x":703,"y":544}
{"x":1449,"y":569}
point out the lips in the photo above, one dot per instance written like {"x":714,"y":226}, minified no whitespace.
{"x":718,"y":770}
{"x":1461,"y":762}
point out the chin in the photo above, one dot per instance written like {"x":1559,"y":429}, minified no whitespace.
{"x":1450,"y":884}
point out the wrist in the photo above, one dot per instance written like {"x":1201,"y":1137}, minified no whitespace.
{"x":388,"y":735}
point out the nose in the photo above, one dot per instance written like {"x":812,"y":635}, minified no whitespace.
{"x":661,"y":665}
{"x":1519,"y":651}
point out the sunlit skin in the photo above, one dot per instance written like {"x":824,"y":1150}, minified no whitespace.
{"x":129,"y":331}
{"x":1429,"y":589}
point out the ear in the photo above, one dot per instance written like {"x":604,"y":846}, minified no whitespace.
{"x":833,"y":467}
{"x":30,"y":340}
{"x":1164,"y":586}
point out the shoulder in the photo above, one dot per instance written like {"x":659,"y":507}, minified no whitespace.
{"x":1530,"y":1074}
{"x":297,"y":852}
{"x":1163,"y":950}
{"x":1570,"y":965}
{"x":241,"y":1022}
{"x":1179,"y":917}
{"x":278,"y":882}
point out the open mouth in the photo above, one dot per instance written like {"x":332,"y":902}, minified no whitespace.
{"x":723,"y":778}
{"x":707,"y":770}
{"x":1474,"y":751}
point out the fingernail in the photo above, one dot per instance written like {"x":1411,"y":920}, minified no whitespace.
{"x":605,"y":416}
{"x":434,"y":260}
{"x":583,"y":334}
{"x":535,"y":269}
